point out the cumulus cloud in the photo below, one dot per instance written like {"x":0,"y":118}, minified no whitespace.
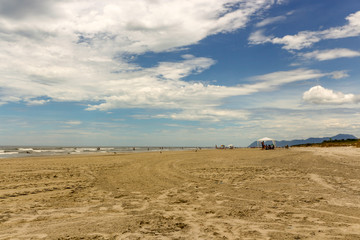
{"x":174,"y":93}
{"x":320,"y":95}
{"x":330,"y":54}
{"x":306,"y":39}
{"x":80,"y":51}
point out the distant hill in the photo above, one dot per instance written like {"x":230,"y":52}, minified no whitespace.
{"x":309,"y":140}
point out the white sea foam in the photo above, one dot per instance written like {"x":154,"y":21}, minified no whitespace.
{"x":49,"y":150}
{"x":106,"y":149}
{"x":2,"y":152}
{"x":16,"y":151}
{"x":86,"y":149}
{"x":25,"y":149}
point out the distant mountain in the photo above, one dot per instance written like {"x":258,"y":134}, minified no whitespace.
{"x":309,"y":140}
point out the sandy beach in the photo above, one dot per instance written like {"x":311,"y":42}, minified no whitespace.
{"x":297,"y":193}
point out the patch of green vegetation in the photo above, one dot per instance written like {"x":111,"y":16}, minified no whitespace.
{"x":333,"y":143}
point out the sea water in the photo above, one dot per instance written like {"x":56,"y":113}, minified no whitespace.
{"x":21,"y":151}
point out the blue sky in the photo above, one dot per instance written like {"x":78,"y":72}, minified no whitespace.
{"x":177,"y":73}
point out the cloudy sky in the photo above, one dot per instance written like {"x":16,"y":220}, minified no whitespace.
{"x":177,"y":73}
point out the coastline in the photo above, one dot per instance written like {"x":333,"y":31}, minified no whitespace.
{"x":34,"y":151}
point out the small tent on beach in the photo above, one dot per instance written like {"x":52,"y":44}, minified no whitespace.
{"x":266,"y":139}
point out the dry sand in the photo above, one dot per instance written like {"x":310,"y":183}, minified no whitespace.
{"x":302,"y":193}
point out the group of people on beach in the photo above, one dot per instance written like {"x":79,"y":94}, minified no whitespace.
{"x":267,"y":147}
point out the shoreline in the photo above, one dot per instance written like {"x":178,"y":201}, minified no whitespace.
{"x":19,"y":152}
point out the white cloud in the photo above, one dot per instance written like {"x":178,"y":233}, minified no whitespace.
{"x":282,"y":2}
{"x":330,"y":54}
{"x":209,"y":114}
{"x":81,"y":51}
{"x":299,"y":41}
{"x":168,"y":91}
{"x":270,"y":20}
{"x":339,"y":74}
{"x":73,"y":122}
{"x":306,"y":39}
{"x":271,"y":80}
{"x":258,"y":37}
{"x":36,"y":102}
{"x":320,"y":95}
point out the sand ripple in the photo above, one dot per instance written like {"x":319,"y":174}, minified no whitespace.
{"x":208,"y":194}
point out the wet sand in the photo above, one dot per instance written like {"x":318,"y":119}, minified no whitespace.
{"x":299,"y":193}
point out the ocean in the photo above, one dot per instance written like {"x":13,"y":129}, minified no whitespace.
{"x":22,"y":151}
